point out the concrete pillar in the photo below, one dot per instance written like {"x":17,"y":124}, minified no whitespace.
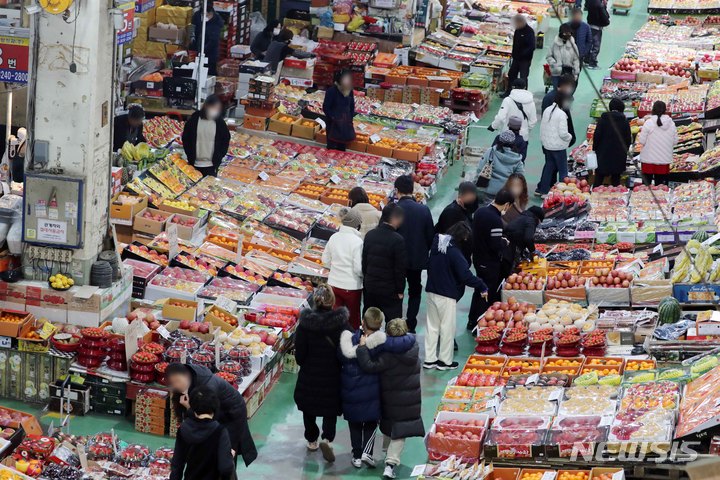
{"x":72,"y":110}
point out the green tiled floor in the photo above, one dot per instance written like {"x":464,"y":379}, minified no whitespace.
{"x":277,"y":426}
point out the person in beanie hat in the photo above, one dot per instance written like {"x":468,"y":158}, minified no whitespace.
{"x":400,"y":394}
{"x":317,"y":390}
{"x":521,"y":145}
{"x":361,"y":390}
{"x":343,"y":256}
{"x":504,"y":161}
{"x":521,"y":235}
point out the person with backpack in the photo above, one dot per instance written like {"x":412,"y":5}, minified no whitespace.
{"x":519,"y":103}
{"x":598,"y":18}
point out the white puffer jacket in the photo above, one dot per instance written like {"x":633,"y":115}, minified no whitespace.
{"x":563,"y":54}
{"x":658,"y":141}
{"x":509,"y":108}
{"x":554,"y":133}
{"x":343,"y":256}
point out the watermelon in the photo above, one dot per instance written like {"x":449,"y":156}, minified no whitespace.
{"x":669,"y":310}
{"x":700,"y":236}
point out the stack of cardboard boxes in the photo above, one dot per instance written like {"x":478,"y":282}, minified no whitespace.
{"x":163,"y":30}
{"x":151,"y":411}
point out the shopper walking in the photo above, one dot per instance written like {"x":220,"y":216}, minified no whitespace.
{"x":448,"y":274}
{"x":184,"y":379}
{"x":566,"y":84}
{"x":384,"y":263}
{"x":521,"y":145}
{"x":206,"y":137}
{"x":317,"y":391}
{"x":488,"y":247}
{"x":556,"y":138}
{"x":262,"y":40}
{"x":504,"y":163}
{"x":129,"y":127}
{"x":521,"y":235}
{"x":658,"y":137}
{"x":563,"y":56}
{"x":400,"y":392}
{"x":339,"y":110}
{"x":598,"y":18}
{"x":581,"y":33}
{"x":360,"y":203}
{"x":460,"y":210}
{"x":360,"y":390}
{"x":213,"y":31}
{"x":611,"y":142}
{"x":202,"y":446}
{"x":519,"y":103}
{"x":517,"y":185}
{"x":418,"y":231}
{"x":343,"y":256}
{"x":523,"y":48}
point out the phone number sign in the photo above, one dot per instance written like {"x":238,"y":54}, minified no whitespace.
{"x":14,"y":59}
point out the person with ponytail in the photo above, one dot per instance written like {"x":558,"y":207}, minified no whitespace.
{"x":658,"y":138}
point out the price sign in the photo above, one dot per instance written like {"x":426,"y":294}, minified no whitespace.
{"x":14,"y":57}
{"x":263,"y":176}
{"x":375,"y":138}
{"x":225,"y":303}
{"x":335,"y":179}
{"x":163,"y":332}
{"x":125,"y":34}
{"x":172,"y":236}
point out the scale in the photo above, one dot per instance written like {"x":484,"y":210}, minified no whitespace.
{"x":52,"y":209}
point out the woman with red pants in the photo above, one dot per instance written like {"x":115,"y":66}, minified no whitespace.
{"x":658,"y":138}
{"x":343,"y":256}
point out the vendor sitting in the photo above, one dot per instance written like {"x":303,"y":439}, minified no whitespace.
{"x":129,"y":127}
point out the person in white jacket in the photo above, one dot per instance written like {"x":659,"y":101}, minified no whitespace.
{"x":658,"y":138}
{"x":556,"y":138}
{"x":520,"y":103}
{"x":343,"y":256}
{"x":563,"y":56}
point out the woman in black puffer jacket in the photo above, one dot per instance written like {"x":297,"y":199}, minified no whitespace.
{"x":317,"y":391}
{"x":400,"y":393}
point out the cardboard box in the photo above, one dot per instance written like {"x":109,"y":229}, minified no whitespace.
{"x":184,"y":232}
{"x":696,"y":293}
{"x":357,"y":146}
{"x":175,"y":36}
{"x":147,"y":225}
{"x":13,"y":329}
{"x":379,"y":150}
{"x":252,"y":122}
{"x":615,"y":473}
{"x":172,"y":209}
{"x":216,"y":321}
{"x":325,"y":32}
{"x":124,"y":213}
{"x":180,"y":309}
{"x":283,"y":128}
{"x":124,"y":233}
{"x":408,"y":155}
{"x":301,"y":131}
{"x":142,"y":6}
{"x":179,"y":16}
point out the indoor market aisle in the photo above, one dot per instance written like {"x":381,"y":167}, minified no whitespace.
{"x":277,"y":427}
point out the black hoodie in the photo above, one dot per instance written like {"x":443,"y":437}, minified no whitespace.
{"x":202,"y":451}
{"x":317,"y":391}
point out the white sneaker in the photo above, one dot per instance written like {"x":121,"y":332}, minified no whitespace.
{"x":312,"y":446}
{"x":368,"y":460}
{"x":356,"y":462}
{"x":389,"y":471}
{"x":327,"y":451}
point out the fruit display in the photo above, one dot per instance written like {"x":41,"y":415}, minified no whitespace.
{"x":560,"y":315}
{"x":524,"y":281}
{"x":148,"y":254}
{"x":237,"y":290}
{"x":506,"y":314}
{"x":293,"y":218}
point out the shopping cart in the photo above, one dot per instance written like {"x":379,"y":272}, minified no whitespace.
{"x":621,"y":7}
{"x":547,"y":77}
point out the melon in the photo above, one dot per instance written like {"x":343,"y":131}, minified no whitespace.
{"x":669,"y":310}
{"x":590,"y":378}
{"x":700,"y":236}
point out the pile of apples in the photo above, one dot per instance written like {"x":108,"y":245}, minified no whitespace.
{"x":197,"y":327}
{"x":565,"y":279}
{"x":645,"y":188}
{"x":158,"y":217}
{"x":423,"y":178}
{"x":506,"y":314}
{"x":144,"y":316}
{"x":610,"y":189}
{"x":184,"y":221}
{"x":553,"y":199}
{"x":604,"y":277}
{"x":573,"y":185}
{"x":524,"y":281}
{"x":149,"y":254}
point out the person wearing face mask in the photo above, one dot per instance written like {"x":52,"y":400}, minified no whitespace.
{"x":129,"y":127}
{"x":460,"y":211}
{"x":262,"y":40}
{"x":523,"y":48}
{"x":488,"y":248}
{"x":279,"y":49}
{"x":517,"y":184}
{"x":581,"y":33}
{"x":521,"y":235}
{"x":566,"y":85}
{"x":563,"y":56}
{"x":339,"y":110}
{"x":556,"y":137}
{"x":206,"y":137}
{"x":521,"y":145}
{"x":213,"y":29}
{"x":505,"y":162}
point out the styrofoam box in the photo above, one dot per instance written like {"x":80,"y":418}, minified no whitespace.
{"x":156,"y":292}
{"x":443,"y":417}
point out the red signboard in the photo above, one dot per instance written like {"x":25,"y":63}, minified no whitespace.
{"x":14,"y":59}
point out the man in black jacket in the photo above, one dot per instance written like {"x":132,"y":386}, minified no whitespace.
{"x":460,"y":210}
{"x":418,"y":231}
{"x":384,"y":263}
{"x":598,"y":18}
{"x":488,"y":247}
{"x":522,"y":51}
{"x":129,"y":127}
{"x":521,"y":235}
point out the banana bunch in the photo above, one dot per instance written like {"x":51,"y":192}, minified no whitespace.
{"x":714,"y":276}
{"x":695,"y":267}
{"x":682,"y":267}
{"x":135,"y":153}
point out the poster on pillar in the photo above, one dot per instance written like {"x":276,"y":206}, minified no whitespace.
{"x":14,"y":57}
{"x":125,"y":34}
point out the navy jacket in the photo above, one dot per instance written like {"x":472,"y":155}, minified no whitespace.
{"x":384,"y":261}
{"x":213,"y":31}
{"x":202,"y":451}
{"x":488,"y":243}
{"x":339,"y":112}
{"x":583,"y":38}
{"x":360,"y":391}
{"x":418,"y":230}
{"x":449,"y":271}
{"x":523,"y":44}
{"x":597,"y":15}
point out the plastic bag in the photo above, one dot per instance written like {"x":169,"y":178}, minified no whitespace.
{"x":257,"y":24}
{"x":591,"y":161}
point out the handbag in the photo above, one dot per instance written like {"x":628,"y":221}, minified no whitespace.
{"x":591,"y":161}
{"x":485,"y":174}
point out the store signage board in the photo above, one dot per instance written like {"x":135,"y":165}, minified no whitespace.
{"x":14,"y":55}
{"x":125,"y":34}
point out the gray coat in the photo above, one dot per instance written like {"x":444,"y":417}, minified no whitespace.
{"x":400,"y":394}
